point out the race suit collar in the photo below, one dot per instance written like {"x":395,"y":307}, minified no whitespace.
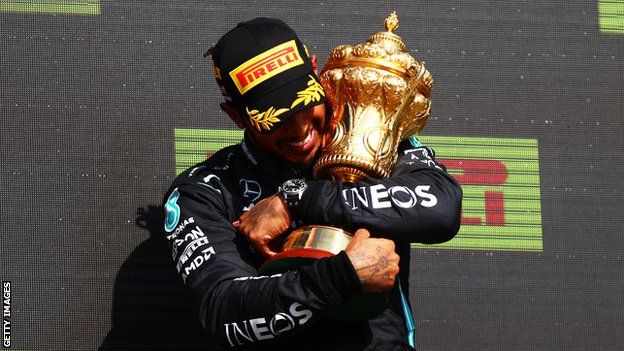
{"x":271,"y":164}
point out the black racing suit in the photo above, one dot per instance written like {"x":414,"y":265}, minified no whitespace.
{"x":239,"y":307}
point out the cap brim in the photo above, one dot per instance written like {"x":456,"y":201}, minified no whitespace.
{"x":268,"y":112}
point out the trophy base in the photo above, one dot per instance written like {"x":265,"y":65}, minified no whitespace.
{"x":308,"y":244}
{"x":292,"y":259}
{"x":305,"y":245}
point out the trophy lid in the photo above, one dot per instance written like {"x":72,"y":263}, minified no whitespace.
{"x":391,"y":23}
{"x":383,"y":50}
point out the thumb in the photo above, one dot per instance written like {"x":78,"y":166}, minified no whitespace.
{"x":361,"y":234}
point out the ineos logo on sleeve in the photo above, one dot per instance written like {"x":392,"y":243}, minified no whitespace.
{"x":280,"y":323}
{"x":251,"y":190}
{"x":378,"y":196}
{"x":256,"y":329}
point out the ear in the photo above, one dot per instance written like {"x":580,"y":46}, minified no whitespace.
{"x":234,"y":114}
{"x":314,"y":62}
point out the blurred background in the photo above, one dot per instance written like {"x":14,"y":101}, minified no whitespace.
{"x":102,"y":103}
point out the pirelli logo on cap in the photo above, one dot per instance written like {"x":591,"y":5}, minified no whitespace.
{"x":266,"y":65}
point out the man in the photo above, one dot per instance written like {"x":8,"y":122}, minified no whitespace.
{"x":223,"y":214}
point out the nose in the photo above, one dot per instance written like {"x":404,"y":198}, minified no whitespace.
{"x":298,"y":122}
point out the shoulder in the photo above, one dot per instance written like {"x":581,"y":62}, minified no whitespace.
{"x":414,"y":155}
{"x":219,"y":164}
{"x":210,"y":171}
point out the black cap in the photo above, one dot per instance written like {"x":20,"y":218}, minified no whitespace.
{"x":264,"y":69}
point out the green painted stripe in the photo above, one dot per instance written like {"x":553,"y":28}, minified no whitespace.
{"x":494,"y":243}
{"x":200,"y":146}
{"x":533,"y":236}
{"x":529,"y":202}
{"x":507,"y":236}
{"x":513,"y":178}
{"x":461,"y":172}
{"x":610,"y":8}
{"x":75,"y":7}
{"x":478,"y":211}
{"x":476,"y":141}
{"x":522,"y":179}
{"x":613,"y":30}
{"x":477,"y":245}
{"x":485,"y":152}
{"x":513,"y":218}
{"x":521,"y":191}
{"x":209,"y":134}
{"x":611,"y":16}
{"x":612,"y":23}
{"x":526,"y":193}
{"x":503,"y":149}
{"x":513,"y":166}
{"x":190,"y":159}
{"x":514,"y":205}
{"x":192,"y":145}
{"x":473,"y":230}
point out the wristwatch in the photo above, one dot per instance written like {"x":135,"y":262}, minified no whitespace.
{"x":292,"y":190}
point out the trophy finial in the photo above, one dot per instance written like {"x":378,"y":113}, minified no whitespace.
{"x":392,"y":22}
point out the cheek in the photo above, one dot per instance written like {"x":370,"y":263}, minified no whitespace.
{"x":272,"y":141}
{"x":320,"y":116}
{"x":265,"y":142}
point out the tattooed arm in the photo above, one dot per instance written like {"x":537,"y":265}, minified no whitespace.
{"x":374,"y":260}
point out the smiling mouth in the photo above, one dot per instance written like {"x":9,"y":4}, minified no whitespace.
{"x":301,"y":142}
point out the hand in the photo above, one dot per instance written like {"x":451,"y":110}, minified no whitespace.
{"x":374,"y":260}
{"x":264,"y":222}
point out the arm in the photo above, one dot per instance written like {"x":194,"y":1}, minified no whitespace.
{"x":420,"y":202}
{"x":236,"y":305}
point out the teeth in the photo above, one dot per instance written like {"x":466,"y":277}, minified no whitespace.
{"x":301,"y":143}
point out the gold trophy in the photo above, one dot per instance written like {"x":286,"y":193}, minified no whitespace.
{"x":379,"y":95}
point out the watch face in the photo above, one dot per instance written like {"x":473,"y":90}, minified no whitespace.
{"x":294,"y":185}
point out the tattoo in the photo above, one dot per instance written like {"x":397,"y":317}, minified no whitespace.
{"x":370,"y":265}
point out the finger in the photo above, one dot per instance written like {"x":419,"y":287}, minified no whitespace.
{"x":265,"y":251}
{"x":236,"y":224}
{"x":392,"y":245}
{"x":262,"y":246}
{"x":271,"y":253}
{"x":361,"y":234}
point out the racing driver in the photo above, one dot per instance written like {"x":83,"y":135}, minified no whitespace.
{"x":223,"y":214}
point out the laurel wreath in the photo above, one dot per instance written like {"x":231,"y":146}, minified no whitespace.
{"x":265,"y":120}
{"x":312,"y":93}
